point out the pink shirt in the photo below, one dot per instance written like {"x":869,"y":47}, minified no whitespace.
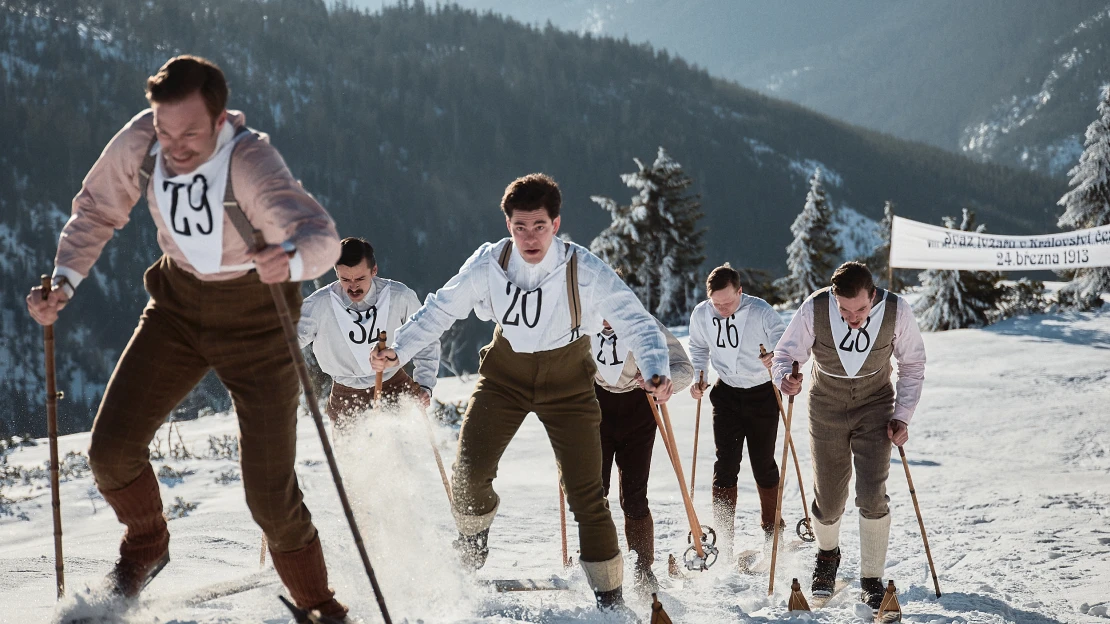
{"x":909,"y":354}
{"x":270,"y":197}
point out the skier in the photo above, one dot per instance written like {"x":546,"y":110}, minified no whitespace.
{"x":209,"y":181}
{"x":545,"y":295}
{"x":342,"y":320}
{"x":628,"y":436}
{"x":852,"y":329}
{"x":727,"y":329}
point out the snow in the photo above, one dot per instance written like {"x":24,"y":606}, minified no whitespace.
{"x":1009,"y":453}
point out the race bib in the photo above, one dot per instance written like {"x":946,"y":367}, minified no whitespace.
{"x":524,"y":315}
{"x":609,"y":357}
{"x":854,"y":345}
{"x":192,"y":207}
{"x":724,"y":337}
{"x":359,"y":328}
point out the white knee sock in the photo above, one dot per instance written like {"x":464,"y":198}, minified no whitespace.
{"x":874,"y":535}
{"x":828,"y":535}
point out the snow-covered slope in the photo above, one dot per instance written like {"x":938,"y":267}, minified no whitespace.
{"x":1010,"y":453}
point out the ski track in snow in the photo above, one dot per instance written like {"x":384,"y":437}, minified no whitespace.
{"x":1009,"y":452}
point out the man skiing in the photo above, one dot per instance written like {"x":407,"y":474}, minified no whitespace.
{"x":628,"y":436}
{"x":342,"y":320}
{"x":545,"y":296}
{"x":209,"y":182}
{"x":852,"y":329}
{"x":727,"y":329}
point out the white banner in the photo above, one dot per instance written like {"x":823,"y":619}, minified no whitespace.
{"x":916,"y":245}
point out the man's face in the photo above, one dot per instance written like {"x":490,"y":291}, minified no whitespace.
{"x":532,"y":232}
{"x":726,"y":301}
{"x":854,"y":310}
{"x":356,"y":280}
{"x":186,"y":132}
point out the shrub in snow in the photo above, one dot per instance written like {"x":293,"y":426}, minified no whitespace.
{"x":1023,"y":298}
{"x":958,"y":299}
{"x":814,"y":254}
{"x":1087,"y":205}
{"x":655,"y":242}
{"x":179,"y":509}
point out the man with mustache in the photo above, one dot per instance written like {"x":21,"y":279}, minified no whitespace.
{"x":546,"y":297}
{"x":209,"y":182}
{"x":342,"y":320}
{"x":852,"y":329}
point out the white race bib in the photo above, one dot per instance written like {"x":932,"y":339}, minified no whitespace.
{"x":725,"y":335}
{"x":524,"y":315}
{"x":192,"y":207}
{"x":359,"y":328}
{"x":609,"y":357}
{"x":854,"y":345}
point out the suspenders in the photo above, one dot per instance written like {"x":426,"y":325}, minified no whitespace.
{"x":574,"y":301}
{"x":231,"y":205}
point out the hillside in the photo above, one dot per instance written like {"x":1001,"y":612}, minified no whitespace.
{"x":407,"y":124}
{"x":1009,"y":454}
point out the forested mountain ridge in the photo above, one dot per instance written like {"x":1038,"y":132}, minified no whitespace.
{"x":407,"y":125}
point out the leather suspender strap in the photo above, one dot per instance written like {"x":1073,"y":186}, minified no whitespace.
{"x":574,"y":300}
{"x":231,"y":205}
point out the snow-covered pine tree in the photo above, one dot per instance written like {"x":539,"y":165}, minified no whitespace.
{"x":958,"y":299}
{"x":1087,"y":205}
{"x":879,"y":262}
{"x":814,"y":254}
{"x":655,"y":241}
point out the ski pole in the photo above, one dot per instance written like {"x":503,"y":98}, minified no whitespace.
{"x":380,"y":375}
{"x":920,"y":522}
{"x":439,"y":460}
{"x":52,"y":396}
{"x":782,"y":481}
{"x":808,"y":535}
{"x":563,"y":525}
{"x":697,"y":430}
{"x":667,"y":433}
{"x":310,"y":397}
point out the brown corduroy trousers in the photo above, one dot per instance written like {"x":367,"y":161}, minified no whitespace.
{"x":189,"y":327}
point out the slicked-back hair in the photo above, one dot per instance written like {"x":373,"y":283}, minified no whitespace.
{"x":184,"y":75}
{"x":532,"y":192}
{"x":355,"y":250}
{"x":852,"y":277}
{"x":722,"y":277}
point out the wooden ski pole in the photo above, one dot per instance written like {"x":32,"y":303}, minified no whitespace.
{"x":793,"y":452}
{"x":52,"y":396}
{"x":439,"y":460}
{"x":380,"y":375}
{"x":782,"y":480}
{"x":563,"y":526}
{"x":920,"y":522}
{"x":666,"y":431}
{"x":310,"y":397}
{"x":697,"y":430}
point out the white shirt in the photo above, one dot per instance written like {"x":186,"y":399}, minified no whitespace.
{"x":738,"y":367}
{"x":602,"y":293}
{"x":319,"y":327}
{"x":909,"y":353}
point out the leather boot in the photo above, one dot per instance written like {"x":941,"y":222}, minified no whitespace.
{"x":724,"y":519}
{"x":306,"y":577}
{"x":768,"y":501}
{"x":144,"y":549}
{"x":640,"y":533}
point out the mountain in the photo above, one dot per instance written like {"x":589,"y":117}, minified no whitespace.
{"x":1040,"y":124}
{"x":942,"y":72}
{"x":407,"y":124}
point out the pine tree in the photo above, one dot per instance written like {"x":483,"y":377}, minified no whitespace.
{"x":655,"y":241}
{"x":813,"y":255}
{"x":879,"y":262}
{"x":958,"y":299}
{"x":1087,"y":205}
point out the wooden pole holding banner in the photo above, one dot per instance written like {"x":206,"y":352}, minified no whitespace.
{"x":52,"y":396}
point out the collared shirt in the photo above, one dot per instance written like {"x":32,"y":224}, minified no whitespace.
{"x":740,"y":368}
{"x":909,"y":353}
{"x":319,"y":327}
{"x":602,"y":293}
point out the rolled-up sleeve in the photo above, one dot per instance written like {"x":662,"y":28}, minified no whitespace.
{"x":795,"y":344}
{"x":909,"y":354}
